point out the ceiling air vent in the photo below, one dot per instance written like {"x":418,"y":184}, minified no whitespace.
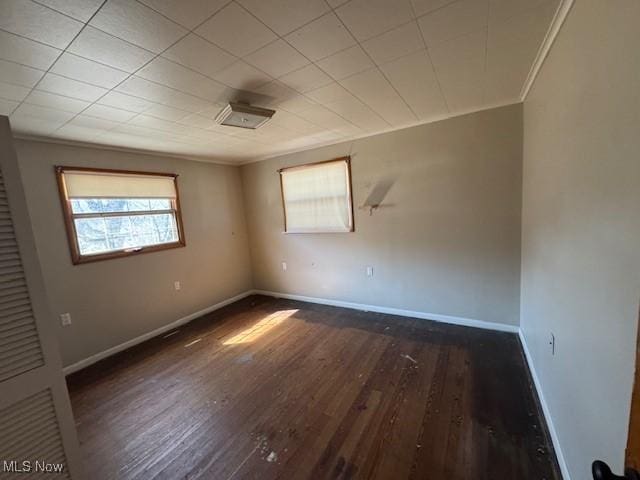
{"x":244,"y":115}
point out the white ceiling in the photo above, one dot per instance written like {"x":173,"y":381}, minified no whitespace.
{"x":152,"y":74}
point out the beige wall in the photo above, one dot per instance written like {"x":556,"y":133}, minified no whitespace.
{"x":581,"y":228}
{"x":116,"y":300}
{"x":446,"y":241}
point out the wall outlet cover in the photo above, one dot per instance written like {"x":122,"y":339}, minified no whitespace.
{"x":65,"y":319}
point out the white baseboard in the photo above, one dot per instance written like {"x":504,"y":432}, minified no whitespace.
{"x":545,"y":409}
{"x":467,"y":322}
{"x":134,"y":341}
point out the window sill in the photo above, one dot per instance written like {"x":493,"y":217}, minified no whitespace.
{"x":320,"y":232}
{"x":80,"y":259}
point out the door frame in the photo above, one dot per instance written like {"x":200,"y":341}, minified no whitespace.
{"x":633,"y":439}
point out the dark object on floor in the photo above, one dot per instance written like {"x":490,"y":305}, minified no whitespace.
{"x":601,"y":471}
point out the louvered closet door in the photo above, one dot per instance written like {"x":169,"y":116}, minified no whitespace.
{"x":37,"y":432}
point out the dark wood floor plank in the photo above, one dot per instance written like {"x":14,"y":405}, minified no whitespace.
{"x":277,"y":389}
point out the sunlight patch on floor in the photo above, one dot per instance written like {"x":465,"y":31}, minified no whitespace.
{"x":260,"y":328}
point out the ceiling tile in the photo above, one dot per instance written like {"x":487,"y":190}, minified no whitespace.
{"x":154,"y":92}
{"x":321,"y":38}
{"x":70,"y":88}
{"x":172,"y":108}
{"x":502,"y":10}
{"x":188,"y":13}
{"x":296,"y":104}
{"x":44,"y":113}
{"x":16,"y":93}
{"x":37,"y":22}
{"x":211,"y":111}
{"x":165,"y":72}
{"x":27,"y":52}
{"x":414,"y":79}
{"x":159,"y":124}
{"x":236,"y":30}
{"x":205,"y":136}
{"x":460,"y":66}
{"x":197,"y":53}
{"x":138,"y":24}
{"x":421,"y":7}
{"x":274,"y":93}
{"x":109,"y":113}
{"x":51,"y":100}
{"x":242,"y":76}
{"x":358,"y":114}
{"x":307,"y":78}
{"x":138,"y":131}
{"x":373,"y":89}
{"x":277,"y":58}
{"x":18,"y":74}
{"x":87,"y":121}
{"x":197,"y":121}
{"x":7,"y":106}
{"x":79,"y":9}
{"x":104,"y":48}
{"x":78,"y":133}
{"x":367,"y":18}
{"x":395,"y":43}
{"x":125,"y":102}
{"x":85,"y":128}
{"x":165,"y":112}
{"x":329,"y":93}
{"x":78,"y":68}
{"x":328,"y":137}
{"x":345,"y":63}
{"x":511,"y":50}
{"x":324,"y":117}
{"x":293,"y":123}
{"x":30,"y":125}
{"x":459,"y":18}
{"x":284,"y":16}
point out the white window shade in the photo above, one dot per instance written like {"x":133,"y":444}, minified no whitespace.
{"x":86,"y":184}
{"x":317,"y":198}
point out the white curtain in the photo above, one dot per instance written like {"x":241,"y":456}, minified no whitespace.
{"x":317,"y":198}
{"x":86,"y":184}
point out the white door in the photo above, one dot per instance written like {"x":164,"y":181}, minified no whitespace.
{"x":37,"y":431}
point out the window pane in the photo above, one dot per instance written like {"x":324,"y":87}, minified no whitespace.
{"x":114,"y":205}
{"x":317,"y":198}
{"x":108,"y":234}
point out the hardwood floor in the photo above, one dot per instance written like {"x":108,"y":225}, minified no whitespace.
{"x":268,"y":388}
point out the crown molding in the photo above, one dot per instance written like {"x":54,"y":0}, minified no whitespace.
{"x":330,"y":143}
{"x":114,"y":148}
{"x":556,"y":24}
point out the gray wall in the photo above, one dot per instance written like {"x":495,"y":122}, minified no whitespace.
{"x":581,"y":228}
{"x":446,"y":241}
{"x":116,"y":300}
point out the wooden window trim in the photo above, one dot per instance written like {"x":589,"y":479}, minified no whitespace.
{"x":76,"y":257}
{"x":347,"y":160}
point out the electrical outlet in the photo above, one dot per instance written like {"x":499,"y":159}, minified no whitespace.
{"x":284,"y":266}
{"x":177,"y":285}
{"x":65,"y":319}
{"x":552,"y":343}
{"x":369,"y":271}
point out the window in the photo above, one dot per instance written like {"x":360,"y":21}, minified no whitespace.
{"x":317,"y":197}
{"x":113,"y":213}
